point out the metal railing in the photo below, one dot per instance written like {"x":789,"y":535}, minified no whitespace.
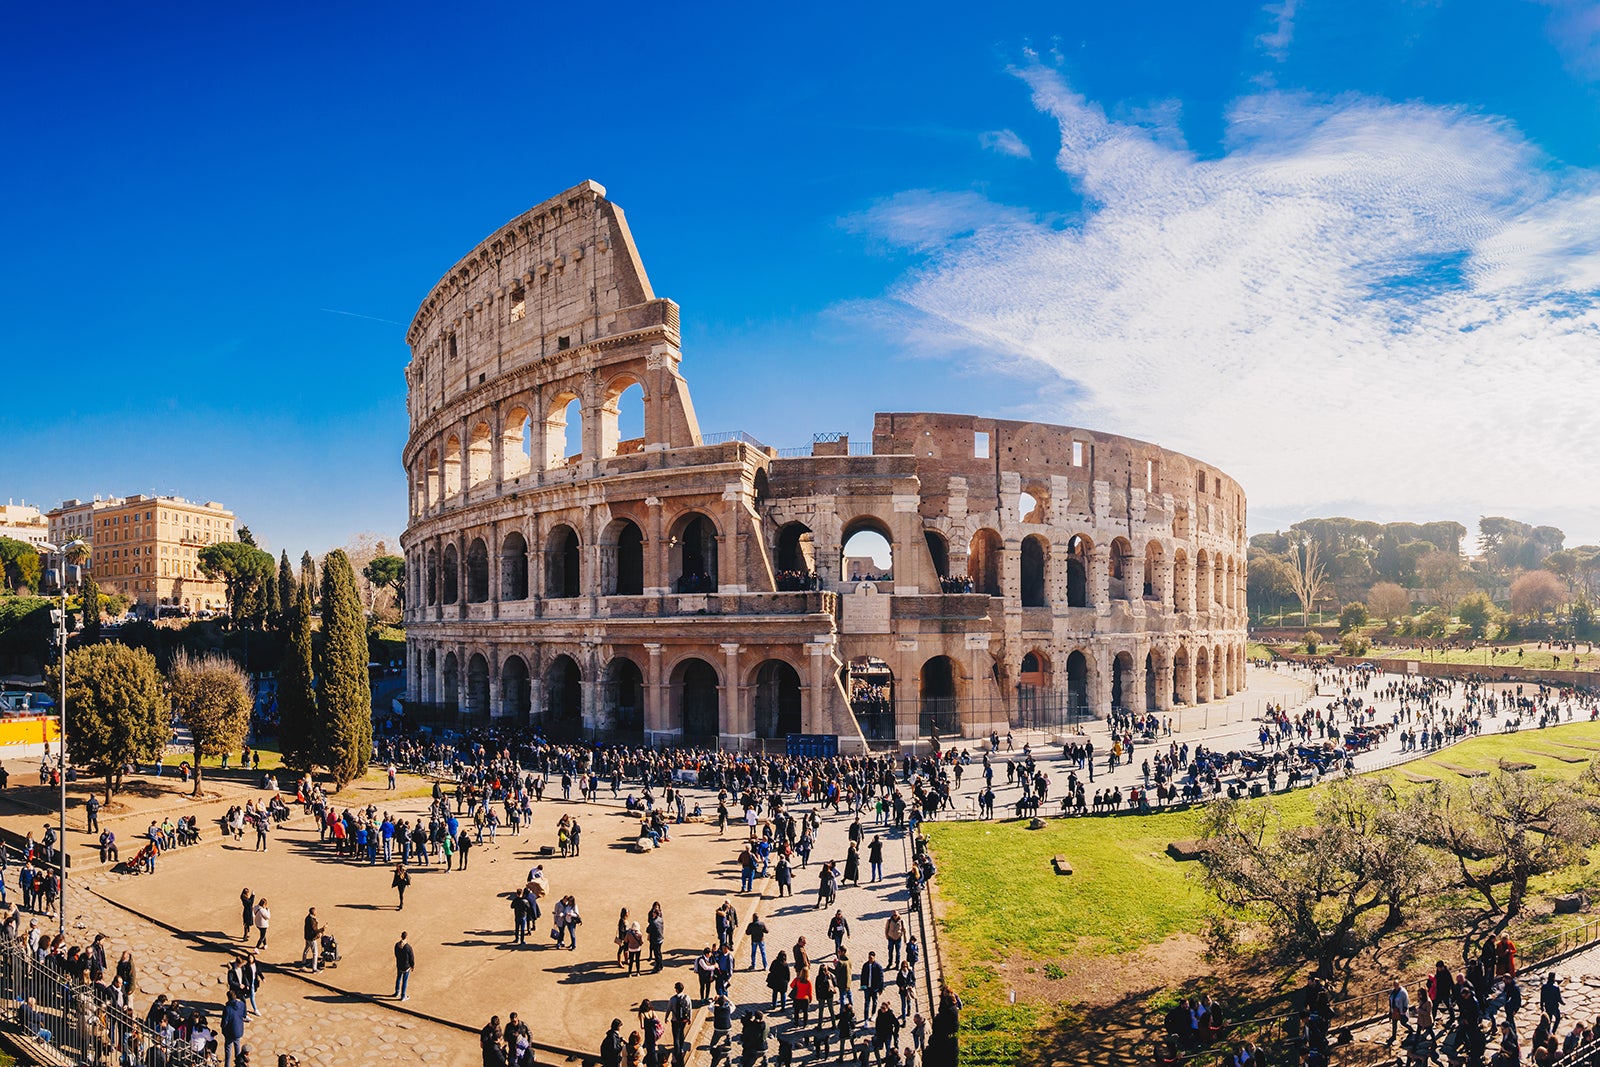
{"x":81,"y":1021}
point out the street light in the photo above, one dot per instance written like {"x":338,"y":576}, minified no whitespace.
{"x":61,"y":738}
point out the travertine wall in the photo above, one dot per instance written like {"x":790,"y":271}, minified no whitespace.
{"x":639,"y":586}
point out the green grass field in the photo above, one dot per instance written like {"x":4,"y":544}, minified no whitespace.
{"x":1003,"y":901}
{"x":1535,"y":658}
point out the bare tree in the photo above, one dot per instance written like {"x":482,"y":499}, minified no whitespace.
{"x":362,"y":550}
{"x":213,"y":698}
{"x":1537,"y":592}
{"x":1307,"y":575}
{"x":1388,"y":601}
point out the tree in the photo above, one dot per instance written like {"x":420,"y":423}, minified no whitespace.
{"x":297,"y":691}
{"x":388,"y":573}
{"x":21,"y":564}
{"x":286,"y":585}
{"x":1322,"y":885}
{"x":243,"y":569}
{"x":1388,"y":601}
{"x":1476,"y":612}
{"x":308,"y":575}
{"x":246,"y":537}
{"x":1267,"y":582}
{"x":1504,"y":829}
{"x":116,"y":712}
{"x":1306,"y":575}
{"x":1353,"y":617}
{"x":91,"y":610}
{"x":343,"y":734}
{"x":213,"y":698}
{"x":269,"y":597}
{"x":1536,"y":593}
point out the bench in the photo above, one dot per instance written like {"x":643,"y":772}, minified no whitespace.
{"x":1061,"y":865}
{"x":1187,"y":851}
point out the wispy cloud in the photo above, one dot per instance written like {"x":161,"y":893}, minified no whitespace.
{"x":1006,"y":142}
{"x":1275,"y":42}
{"x":1574,"y":28}
{"x":1393,"y":304}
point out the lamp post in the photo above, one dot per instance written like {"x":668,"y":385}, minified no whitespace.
{"x":61,"y":738}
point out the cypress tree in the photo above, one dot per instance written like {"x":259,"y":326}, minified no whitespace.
{"x":308,"y":575}
{"x":297,"y":694}
{"x":343,"y":734}
{"x":91,"y":610}
{"x":269,"y":592}
{"x":286,"y":586}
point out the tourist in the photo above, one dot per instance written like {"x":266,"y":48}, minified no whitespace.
{"x":233,"y":1017}
{"x":871,"y":983}
{"x":656,"y":934}
{"x":405,"y":961}
{"x":312,"y":953}
{"x":778,"y":978}
{"x":679,"y":1011}
{"x":402,"y":879}
{"x":757,"y":932}
{"x":247,"y":904}
{"x":612,"y":1045}
{"x":262,"y":917}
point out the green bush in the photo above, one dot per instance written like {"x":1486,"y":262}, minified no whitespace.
{"x":1353,"y":617}
{"x":1309,"y":641}
{"x":1353,"y":645}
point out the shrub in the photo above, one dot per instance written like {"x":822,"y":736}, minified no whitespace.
{"x":1310,"y":642}
{"x":1353,"y":617}
{"x":1353,"y":645}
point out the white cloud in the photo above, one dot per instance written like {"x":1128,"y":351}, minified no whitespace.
{"x":1275,"y":43}
{"x":1359,"y":301}
{"x":1006,"y":142}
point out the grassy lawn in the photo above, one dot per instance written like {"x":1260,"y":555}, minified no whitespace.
{"x":1003,"y":901}
{"x":1539,"y":658}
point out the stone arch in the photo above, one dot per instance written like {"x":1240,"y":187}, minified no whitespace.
{"x":514,"y":567}
{"x":1121,"y":680}
{"x":477,"y":685}
{"x":1033,"y":503}
{"x":1123,"y":580}
{"x":622,"y":412}
{"x":516,"y":690}
{"x":563,"y":422}
{"x":778,"y":709}
{"x":1079,"y":669}
{"x":941,"y":684}
{"x":622,"y":702}
{"x":697,"y":701}
{"x":622,"y":557}
{"x":1152,"y":681}
{"x":452,"y":465}
{"x":1079,"y":552}
{"x":1153,"y":558}
{"x":450,"y":682}
{"x":1202,"y":581}
{"x":480,"y":455}
{"x":1182,"y":675}
{"x":858,"y":543}
{"x":516,"y":442}
{"x":1182,"y":582}
{"x":1035,"y":571}
{"x":563,"y":576}
{"x":1202,"y":674}
{"x":939,"y":551}
{"x":983,"y":562}
{"x":477,"y":571}
{"x":431,"y":578}
{"x":430,"y":675}
{"x":692,"y":548}
{"x":563,"y":698}
{"x":796,"y":556}
{"x":870,"y":685}
{"x":433,"y":478}
{"x":452,"y":574}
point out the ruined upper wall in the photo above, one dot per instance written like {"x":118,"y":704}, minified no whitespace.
{"x":561,"y":275}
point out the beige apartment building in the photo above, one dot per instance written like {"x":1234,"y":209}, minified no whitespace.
{"x":22,"y":522}
{"x":148,"y":547}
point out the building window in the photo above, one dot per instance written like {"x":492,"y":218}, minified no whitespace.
{"x":980,"y":445}
{"x":1077,"y":453}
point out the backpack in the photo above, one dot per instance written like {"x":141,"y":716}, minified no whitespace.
{"x":680,"y":1010}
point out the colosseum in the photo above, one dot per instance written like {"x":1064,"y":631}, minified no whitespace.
{"x":960,"y":575}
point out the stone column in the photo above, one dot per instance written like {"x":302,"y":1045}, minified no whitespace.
{"x":656,"y":726}
{"x":655,"y":545}
{"x":1100,"y":579}
{"x":1133,"y":692}
{"x":1164,"y":685}
{"x":732,"y":720}
{"x":814,"y":709}
{"x":1165,"y":584}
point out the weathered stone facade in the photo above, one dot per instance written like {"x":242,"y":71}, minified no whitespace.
{"x":676,"y":587}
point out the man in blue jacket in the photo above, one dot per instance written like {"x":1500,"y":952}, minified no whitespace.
{"x":233,"y":1015}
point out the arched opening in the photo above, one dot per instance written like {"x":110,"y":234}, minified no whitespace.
{"x":1202,"y":581}
{"x":1182,"y":582}
{"x":983,"y":562}
{"x":797,"y":557}
{"x":516,"y":443}
{"x":1152,"y":570}
{"x":1150,"y":688}
{"x":1121,"y":569}
{"x":452,"y":466}
{"x":939,"y":552}
{"x":1182,"y":676}
{"x":1078,"y":683}
{"x":622,"y":418}
{"x":1219,"y":674}
{"x":452,"y":574}
{"x":625,"y":559}
{"x":777,"y":700}
{"x":514,"y":567}
{"x":563,"y":431}
{"x":870,"y":683}
{"x":433,"y":478}
{"x":430,"y":677}
{"x":516,"y":690}
{"x":1202,"y":675}
{"x":480,"y":455}
{"x":622,"y":706}
{"x":563,"y":699}
{"x":1078,"y":552}
{"x":450,"y":681}
{"x":941,"y":696}
{"x":693,"y":548}
{"x":1121,"y":680}
{"x":867,"y":552}
{"x":433,"y":576}
{"x":1219,"y":582}
{"x":561,"y":577}
{"x":478,"y":686}
{"x":697,"y":702}
{"x":760,"y":487}
{"x":1033,"y":506}
{"x":1035,"y":568}
{"x":477,"y":571}
{"x":1035,"y":671}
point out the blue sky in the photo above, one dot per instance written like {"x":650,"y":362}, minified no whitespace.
{"x":1348,"y":251}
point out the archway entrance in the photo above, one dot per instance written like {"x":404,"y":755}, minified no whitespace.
{"x":1035,"y":564}
{"x":698,"y":703}
{"x":626,"y":553}
{"x":696,"y":552}
{"x":797,"y":557}
{"x":941,"y":698}
{"x":870,"y":683}
{"x":452,"y":682}
{"x":1150,"y":690}
{"x":1078,"y":682}
{"x":1121,"y":681}
{"x":516,"y":690}
{"x":1078,"y":550}
{"x":622,"y":709}
{"x":777,"y":700}
{"x":478,"y":686}
{"x":983,"y":562}
{"x":563,"y":700}
{"x":562,"y":563}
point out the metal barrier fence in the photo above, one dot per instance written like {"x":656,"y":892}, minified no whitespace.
{"x":80,"y":1021}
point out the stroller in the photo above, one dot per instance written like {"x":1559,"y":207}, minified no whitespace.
{"x":330,"y":951}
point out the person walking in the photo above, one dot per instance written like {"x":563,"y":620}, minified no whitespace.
{"x":894,"y":932}
{"x":679,"y":1012}
{"x":839,"y":930}
{"x":233,"y":1016}
{"x":656,"y":934}
{"x":1551,"y":1000}
{"x":757,"y":932}
{"x":875,"y":857}
{"x":1399,"y":1011}
{"x":402,"y":878}
{"x":247,"y":904}
{"x":405,"y":961}
{"x":871,"y":984}
{"x":263,"y":918}
{"x":312,"y":953}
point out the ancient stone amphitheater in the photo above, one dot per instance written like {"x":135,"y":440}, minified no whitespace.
{"x":679,"y":587}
